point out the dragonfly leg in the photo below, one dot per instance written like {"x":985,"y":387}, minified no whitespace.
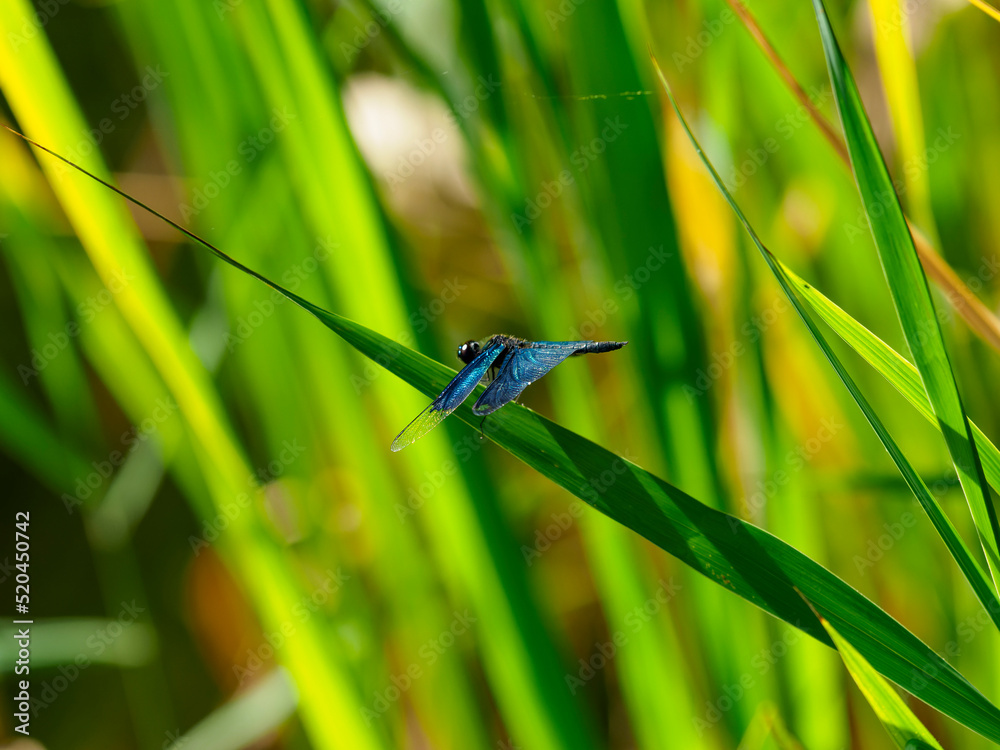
{"x":482,"y":435}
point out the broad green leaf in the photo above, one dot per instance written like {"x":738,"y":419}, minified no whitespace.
{"x":910,"y":292}
{"x":738,"y":556}
{"x":896,"y":717}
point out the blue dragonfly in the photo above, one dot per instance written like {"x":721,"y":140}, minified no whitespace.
{"x":512,"y":364}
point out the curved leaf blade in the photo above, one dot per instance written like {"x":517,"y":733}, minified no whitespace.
{"x":910,"y":292}
{"x":970,"y":568}
{"x":738,"y":556}
{"x":899,"y":721}
{"x":895,"y":368}
{"x":956,"y":546}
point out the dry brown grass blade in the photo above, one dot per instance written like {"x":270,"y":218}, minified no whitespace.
{"x":979,"y":317}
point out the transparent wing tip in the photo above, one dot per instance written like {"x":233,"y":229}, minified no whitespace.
{"x":426,"y":421}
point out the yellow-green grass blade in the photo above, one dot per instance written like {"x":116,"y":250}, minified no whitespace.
{"x":247,"y":718}
{"x":623,"y":578}
{"x":973,"y":572}
{"x":43,"y":310}
{"x":891,"y":28}
{"x":544,"y":134}
{"x":737,"y":555}
{"x":910,"y":292}
{"x":328,"y":705}
{"x":898,"y":720}
{"x":24,"y":433}
{"x":767,"y":724}
{"x":895,"y":368}
{"x":415,"y":607}
{"x":523,"y":671}
{"x":273,"y":44}
{"x":970,"y":568}
{"x":987,"y":9}
{"x":978,"y":316}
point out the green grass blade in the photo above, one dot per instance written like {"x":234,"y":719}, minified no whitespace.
{"x":898,"y":720}
{"x":970,"y":568}
{"x":898,"y":69}
{"x":895,"y":368}
{"x":737,"y":555}
{"x":247,"y":718}
{"x":328,"y":695}
{"x":910,"y":292}
{"x":22,"y":426}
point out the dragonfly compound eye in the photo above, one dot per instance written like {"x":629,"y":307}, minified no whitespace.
{"x":468,"y":350}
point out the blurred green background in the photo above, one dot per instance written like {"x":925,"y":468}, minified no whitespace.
{"x":225,"y":554}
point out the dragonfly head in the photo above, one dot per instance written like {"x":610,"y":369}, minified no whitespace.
{"x":468,"y":350}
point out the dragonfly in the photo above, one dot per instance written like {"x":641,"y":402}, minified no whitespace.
{"x":508,"y":364}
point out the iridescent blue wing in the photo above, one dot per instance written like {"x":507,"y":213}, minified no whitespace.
{"x":452,"y":396}
{"x":522,"y":368}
